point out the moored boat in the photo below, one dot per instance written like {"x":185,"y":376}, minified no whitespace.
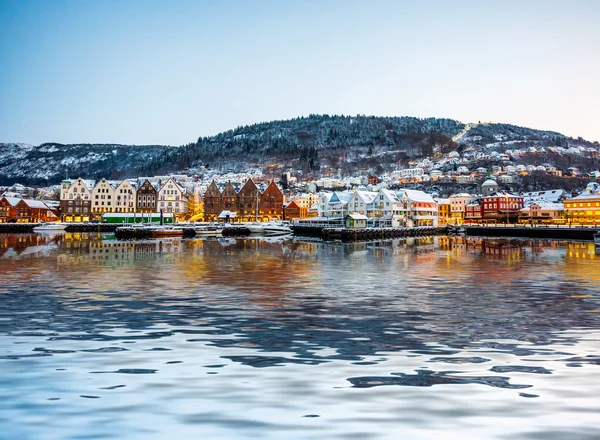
{"x":50,"y":226}
{"x":276,"y":228}
{"x":597,"y":239}
{"x":165,"y":231}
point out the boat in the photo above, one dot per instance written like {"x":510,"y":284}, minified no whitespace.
{"x":597,"y":239}
{"x":276,"y":228}
{"x":207,"y":230}
{"x":165,"y":231}
{"x":256,"y":227}
{"x":50,"y":226}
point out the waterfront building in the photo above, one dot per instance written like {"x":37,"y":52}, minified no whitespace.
{"x":146,"y":197}
{"x":306,"y":200}
{"x":76,"y":200}
{"x":361,"y":202}
{"x":7,"y":209}
{"x":34,"y":211}
{"x":585,"y":208}
{"x":356,"y":221}
{"x":418,"y":207}
{"x":172,"y":197}
{"x":125,"y":197}
{"x":292,"y":211}
{"x":473,"y":211}
{"x":271,"y":202}
{"x":542,"y":213}
{"x":334,"y":205}
{"x":386,"y":209}
{"x":212,"y":202}
{"x":443,"y":206}
{"x":229,"y":199}
{"x":501,"y":207}
{"x":103,"y":198}
{"x":248,"y":201}
{"x":457,"y":207}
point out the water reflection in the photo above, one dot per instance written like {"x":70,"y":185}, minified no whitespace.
{"x":297,"y":329}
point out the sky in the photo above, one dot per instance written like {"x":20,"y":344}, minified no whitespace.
{"x":168,"y":72}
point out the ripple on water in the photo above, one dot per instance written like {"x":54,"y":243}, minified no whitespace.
{"x":427,"y":378}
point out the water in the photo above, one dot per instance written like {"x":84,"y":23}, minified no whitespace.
{"x":435,"y":338}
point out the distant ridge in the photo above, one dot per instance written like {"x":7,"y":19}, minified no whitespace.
{"x":309,"y":143}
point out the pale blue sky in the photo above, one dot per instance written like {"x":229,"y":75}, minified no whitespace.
{"x":166,"y":72}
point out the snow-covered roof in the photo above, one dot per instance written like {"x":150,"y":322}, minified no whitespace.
{"x":460,"y":195}
{"x":12,"y":200}
{"x":553,"y":195}
{"x":390,"y":194}
{"x":358,"y":216}
{"x":227,"y":214}
{"x":36,"y":204}
{"x":415,"y":195}
{"x":546,"y":206}
{"x":367,"y":196}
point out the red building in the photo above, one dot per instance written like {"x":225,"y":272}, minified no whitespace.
{"x":271,"y":202}
{"x":473,"y":212}
{"x":501,"y":208}
{"x":34,"y":211}
{"x":244,"y":203}
{"x":7,"y":209}
{"x":292,"y":210}
{"x":212,"y":202}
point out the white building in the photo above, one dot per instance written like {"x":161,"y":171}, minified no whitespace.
{"x":125,"y":197}
{"x":172,"y":197}
{"x":103,"y":197}
{"x":419,"y":208}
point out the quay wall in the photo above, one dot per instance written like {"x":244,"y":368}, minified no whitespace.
{"x":365,"y":234}
{"x":535,"y":232}
{"x":72,"y":227}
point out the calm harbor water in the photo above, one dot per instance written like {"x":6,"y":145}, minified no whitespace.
{"x":437,"y":338}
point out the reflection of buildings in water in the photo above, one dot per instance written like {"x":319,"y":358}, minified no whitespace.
{"x":97,"y":250}
{"x":581,"y":251}
{"x":27,"y":245}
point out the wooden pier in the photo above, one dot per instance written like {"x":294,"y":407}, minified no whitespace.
{"x":366,"y":234}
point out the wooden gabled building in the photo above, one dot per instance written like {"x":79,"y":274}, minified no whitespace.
{"x":248,"y":199}
{"x":271,"y":202}
{"x":213,"y":202}
{"x":146,"y":197}
{"x":229,"y":198}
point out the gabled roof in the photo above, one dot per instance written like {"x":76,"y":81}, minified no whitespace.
{"x":390,"y":194}
{"x":12,"y":200}
{"x":358,"y":216}
{"x":292,"y":205}
{"x":415,"y":195}
{"x":37,"y":204}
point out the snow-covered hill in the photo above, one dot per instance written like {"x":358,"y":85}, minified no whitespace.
{"x":313,"y":143}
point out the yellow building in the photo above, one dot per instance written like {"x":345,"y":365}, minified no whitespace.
{"x":443,"y":211}
{"x":585,"y":208}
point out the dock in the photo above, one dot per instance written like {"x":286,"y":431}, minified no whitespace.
{"x":72,"y":227}
{"x":556,"y":232}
